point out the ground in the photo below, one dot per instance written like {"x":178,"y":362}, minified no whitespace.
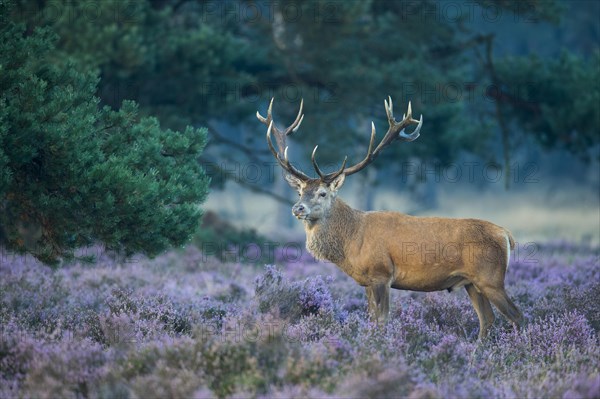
{"x":188,"y":325}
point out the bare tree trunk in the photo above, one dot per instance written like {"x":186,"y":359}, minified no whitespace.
{"x":284,"y":213}
{"x":421,"y":184}
{"x":365,"y":192}
{"x":427,"y":194}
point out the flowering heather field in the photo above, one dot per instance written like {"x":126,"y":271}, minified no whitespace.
{"x":183,"y":325}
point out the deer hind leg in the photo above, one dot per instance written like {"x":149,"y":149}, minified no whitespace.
{"x":504,"y":304}
{"x":483,"y":308}
{"x":378,"y":297}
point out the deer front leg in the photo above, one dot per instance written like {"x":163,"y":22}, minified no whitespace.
{"x":378,"y":297}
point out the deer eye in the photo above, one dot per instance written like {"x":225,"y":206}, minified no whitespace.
{"x":323,"y":194}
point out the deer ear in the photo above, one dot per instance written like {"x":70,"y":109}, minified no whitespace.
{"x":294,"y":181}
{"x":336,"y":184}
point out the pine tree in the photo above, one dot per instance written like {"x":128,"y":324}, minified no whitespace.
{"x":558,"y":100}
{"x":73,"y":174}
{"x":216,"y":63}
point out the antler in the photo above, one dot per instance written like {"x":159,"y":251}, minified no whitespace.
{"x":330,"y":176}
{"x":280,"y":138}
{"x":395,"y":132}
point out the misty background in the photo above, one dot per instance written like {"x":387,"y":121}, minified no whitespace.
{"x":509,"y":92}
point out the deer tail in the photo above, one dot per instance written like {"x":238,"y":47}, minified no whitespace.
{"x":511,"y":240}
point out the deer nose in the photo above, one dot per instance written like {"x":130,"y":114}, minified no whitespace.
{"x":298,"y":209}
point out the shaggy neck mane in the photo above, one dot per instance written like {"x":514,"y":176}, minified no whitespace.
{"x":326,"y":238}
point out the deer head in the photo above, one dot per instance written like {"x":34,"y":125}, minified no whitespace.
{"x":317,"y":195}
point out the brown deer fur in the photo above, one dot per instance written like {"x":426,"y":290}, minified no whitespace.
{"x":382,"y":250}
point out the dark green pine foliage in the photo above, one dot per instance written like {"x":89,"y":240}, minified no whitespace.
{"x":216,"y":63}
{"x":73,"y":174}
{"x":559,"y":100}
{"x":178,"y":64}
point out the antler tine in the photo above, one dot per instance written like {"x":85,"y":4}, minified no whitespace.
{"x":372,"y":139}
{"x":330,"y":176}
{"x":285,"y":162}
{"x":281,"y":140}
{"x":389,"y":107}
{"x":314,"y":162}
{"x":396,"y":131}
{"x":297,"y":122}
{"x":415,"y":134}
{"x":368,"y":158}
{"x":333,"y":175}
{"x":292,"y":128}
{"x":270,"y":143}
{"x":269,"y":117}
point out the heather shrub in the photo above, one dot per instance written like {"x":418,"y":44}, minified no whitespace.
{"x":271,"y":355}
{"x":292,"y":300}
{"x":378,"y":379}
{"x":113,"y":386}
{"x":70,"y":368}
{"x":169,"y":367}
{"x":351,"y":305}
{"x":49,"y":366}
{"x":273,"y":292}
{"x":174,"y":318}
{"x":234,"y":293}
{"x":470,"y":385}
{"x":451,"y":314}
{"x":309,"y":365}
{"x":182,"y":326}
{"x":211,"y":312}
{"x":36,"y":297}
{"x":414,"y":332}
{"x":585,"y":301}
{"x":448,"y":356}
{"x":143,"y":360}
{"x":86,"y":323}
{"x":548,"y":340}
{"x":166,"y":382}
{"x":220,"y":362}
{"x":228,"y":366}
{"x":315,"y":297}
{"x":295,"y":392}
{"x":17,"y":351}
{"x":583,"y":386}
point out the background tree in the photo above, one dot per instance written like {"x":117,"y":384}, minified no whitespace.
{"x":558,"y":112}
{"x":73,"y":174}
{"x":213,"y":64}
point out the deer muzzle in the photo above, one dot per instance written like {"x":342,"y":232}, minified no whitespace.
{"x":299,"y":211}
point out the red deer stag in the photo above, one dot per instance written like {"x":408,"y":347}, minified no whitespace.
{"x":382,"y":250}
